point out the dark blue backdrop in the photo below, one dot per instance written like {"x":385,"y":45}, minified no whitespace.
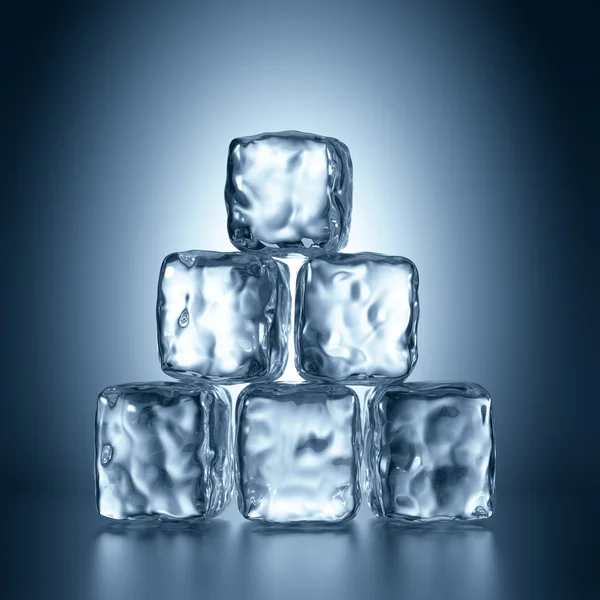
{"x":475,"y":135}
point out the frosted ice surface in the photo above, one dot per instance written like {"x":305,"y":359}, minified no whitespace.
{"x":288,"y":193}
{"x":356,"y":318}
{"x":223,"y":316}
{"x":298,"y":453}
{"x":430,"y":453}
{"x":163,"y":451}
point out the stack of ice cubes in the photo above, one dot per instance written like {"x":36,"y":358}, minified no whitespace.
{"x":167,"y":450}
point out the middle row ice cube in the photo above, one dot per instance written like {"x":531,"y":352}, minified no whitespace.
{"x":226,"y":317}
{"x":223,"y":316}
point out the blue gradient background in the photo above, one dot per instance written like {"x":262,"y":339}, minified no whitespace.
{"x":459,"y":165}
{"x":474,"y":133}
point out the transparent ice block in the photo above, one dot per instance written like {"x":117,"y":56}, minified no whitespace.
{"x":163,"y":451}
{"x":298,"y":453}
{"x":356,"y":318}
{"x":288,"y":193}
{"x":429,"y":452}
{"x":223,"y":316}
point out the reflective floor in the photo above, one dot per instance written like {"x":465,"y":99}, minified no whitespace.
{"x":57,"y":547}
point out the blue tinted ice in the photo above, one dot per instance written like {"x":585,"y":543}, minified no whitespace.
{"x":430,"y":451}
{"x":298,"y":453}
{"x":163,"y":451}
{"x":223,"y":316}
{"x":356,"y":318}
{"x":288,"y":193}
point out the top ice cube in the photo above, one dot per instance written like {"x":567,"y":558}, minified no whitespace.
{"x":288,"y":193}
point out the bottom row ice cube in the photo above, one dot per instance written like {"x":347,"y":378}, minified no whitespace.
{"x":430,"y":452}
{"x":298,"y":453}
{"x":165,"y":451}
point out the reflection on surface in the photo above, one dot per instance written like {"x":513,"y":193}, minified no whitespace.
{"x":60,"y":548}
{"x":160,"y":561}
{"x":297,"y":562}
{"x":366,"y":558}
{"x":424,"y":560}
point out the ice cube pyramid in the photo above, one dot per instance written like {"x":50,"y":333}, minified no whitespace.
{"x":164,"y":451}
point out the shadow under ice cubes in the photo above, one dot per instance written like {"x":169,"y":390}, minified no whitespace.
{"x":223,"y":316}
{"x":163,"y":451}
{"x":288,"y":193}
{"x":430,"y":452}
{"x":298,"y":453}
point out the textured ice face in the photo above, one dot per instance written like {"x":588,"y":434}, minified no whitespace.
{"x":298,"y":453}
{"x":163,"y":451}
{"x":430,"y":452}
{"x":356,"y":318}
{"x":223,"y":316}
{"x":288,"y":193}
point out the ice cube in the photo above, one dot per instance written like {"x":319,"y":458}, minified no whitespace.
{"x":223,"y":316}
{"x":288,"y":193}
{"x":430,"y":453}
{"x":298,"y":453}
{"x":356,"y":318}
{"x":163,"y":451}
